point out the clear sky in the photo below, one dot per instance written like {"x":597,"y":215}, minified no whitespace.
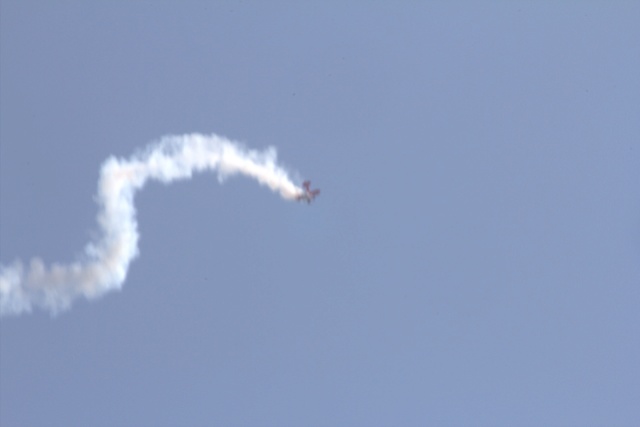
{"x":473,"y":259}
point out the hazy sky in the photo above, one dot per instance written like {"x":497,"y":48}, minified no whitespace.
{"x":473,"y":259}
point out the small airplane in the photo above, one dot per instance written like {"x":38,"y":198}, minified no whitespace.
{"x":308,"y":195}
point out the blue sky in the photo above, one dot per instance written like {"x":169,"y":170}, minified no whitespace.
{"x":473,"y":258}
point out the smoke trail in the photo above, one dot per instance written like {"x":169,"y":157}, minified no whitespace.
{"x":105,"y":262}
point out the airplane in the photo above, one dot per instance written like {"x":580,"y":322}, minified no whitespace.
{"x":308,"y":194}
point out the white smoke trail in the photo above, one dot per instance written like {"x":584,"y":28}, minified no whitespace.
{"x":106,"y":261}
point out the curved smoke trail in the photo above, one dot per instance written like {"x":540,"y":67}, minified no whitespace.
{"x":106,"y":261}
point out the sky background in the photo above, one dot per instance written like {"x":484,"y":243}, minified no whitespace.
{"x":473,"y":258}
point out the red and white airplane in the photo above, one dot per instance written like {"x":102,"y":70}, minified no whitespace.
{"x":308,"y":194}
